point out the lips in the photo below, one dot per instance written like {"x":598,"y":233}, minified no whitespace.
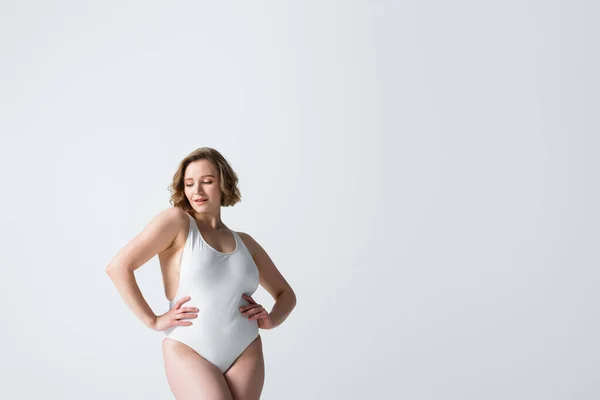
{"x":199,"y":200}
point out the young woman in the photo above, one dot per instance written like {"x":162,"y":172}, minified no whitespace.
{"x":211,"y":346}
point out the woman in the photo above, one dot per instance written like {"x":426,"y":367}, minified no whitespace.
{"x":211,"y":346}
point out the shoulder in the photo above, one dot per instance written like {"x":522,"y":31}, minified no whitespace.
{"x":157,"y":236}
{"x":249,"y":241}
{"x":172,"y":220}
{"x":172,"y":215}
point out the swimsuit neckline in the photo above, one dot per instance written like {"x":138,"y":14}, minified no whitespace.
{"x":212,"y":248}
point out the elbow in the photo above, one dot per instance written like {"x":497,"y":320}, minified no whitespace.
{"x":117,"y":266}
{"x":111,"y":269}
{"x":292,"y":296}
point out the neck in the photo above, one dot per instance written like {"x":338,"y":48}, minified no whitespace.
{"x":209,"y":220}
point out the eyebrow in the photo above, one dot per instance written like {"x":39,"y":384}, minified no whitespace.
{"x":200,"y":177}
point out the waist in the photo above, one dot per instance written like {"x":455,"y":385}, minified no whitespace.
{"x":218,"y":324}
{"x":213,"y":302}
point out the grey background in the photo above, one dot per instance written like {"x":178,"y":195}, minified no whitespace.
{"x":424,"y":174}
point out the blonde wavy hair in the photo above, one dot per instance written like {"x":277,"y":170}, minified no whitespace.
{"x":230,"y":193}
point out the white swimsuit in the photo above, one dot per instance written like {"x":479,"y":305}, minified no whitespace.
{"x":215,"y":281}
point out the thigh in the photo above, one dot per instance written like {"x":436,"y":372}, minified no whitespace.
{"x":247,"y":374}
{"x":190,"y":375}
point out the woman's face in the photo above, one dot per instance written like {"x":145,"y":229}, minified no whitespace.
{"x":202,"y":182}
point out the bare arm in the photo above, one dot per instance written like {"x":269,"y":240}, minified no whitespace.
{"x":157,"y":236}
{"x":273,"y":282}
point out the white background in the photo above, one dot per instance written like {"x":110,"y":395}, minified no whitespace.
{"x":424,"y":174}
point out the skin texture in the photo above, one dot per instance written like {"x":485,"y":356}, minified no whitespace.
{"x":189,"y":375}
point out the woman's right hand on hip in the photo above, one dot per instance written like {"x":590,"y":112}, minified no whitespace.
{"x":175,"y":316}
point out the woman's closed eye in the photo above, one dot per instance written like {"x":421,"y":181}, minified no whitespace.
{"x":202,"y":182}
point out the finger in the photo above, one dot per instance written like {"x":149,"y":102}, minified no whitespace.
{"x":262,"y":314}
{"x":186,"y":315}
{"x":188,"y":309}
{"x":250,"y":299}
{"x":182,"y":323}
{"x":182,"y":300}
{"x":248,"y":307}
{"x":254,"y":311}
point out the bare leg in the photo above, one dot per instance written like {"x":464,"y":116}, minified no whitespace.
{"x":191,"y":376}
{"x":247,"y":374}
